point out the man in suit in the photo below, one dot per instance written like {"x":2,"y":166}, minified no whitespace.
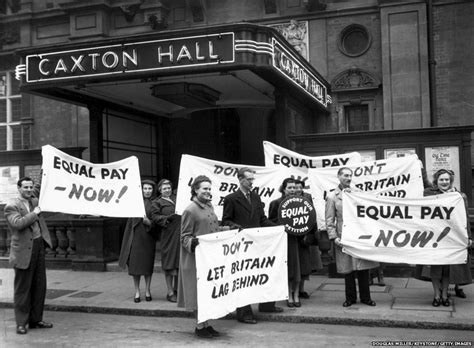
{"x":27,"y":256}
{"x":244,"y":209}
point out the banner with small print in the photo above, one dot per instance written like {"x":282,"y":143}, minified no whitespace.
{"x":277,"y":156}
{"x":73,"y":186}
{"x":224,"y":181}
{"x":428,"y":230}
{"x":235,"y":269}
{"x":398,"y":177}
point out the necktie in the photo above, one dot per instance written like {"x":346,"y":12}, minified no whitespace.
{"x":247,"y":195}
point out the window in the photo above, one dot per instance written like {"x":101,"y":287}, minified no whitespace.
{"x":10,"y":112}
{"x":357,"y":117}
{"x":354,"y":40}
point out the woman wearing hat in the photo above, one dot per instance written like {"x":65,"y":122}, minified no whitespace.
{"x":443,"y":275}
{"x":164,"y":216}
{"x":197,"y":219}
{"x":138,"y":245}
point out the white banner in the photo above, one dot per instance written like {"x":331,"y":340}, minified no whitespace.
{"x":74,"y":186}
{"x":235,"y":269}
{"x":277,"y":156}
{"x":398,"y":177}
{"x":224,"y":181}
{"x":426,"y":231}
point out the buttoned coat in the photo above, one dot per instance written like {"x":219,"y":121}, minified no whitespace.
{"x":239,"y":211}
{"x":197,"y":219}
{"x":19,"y":221}
{"x":345,"y":263}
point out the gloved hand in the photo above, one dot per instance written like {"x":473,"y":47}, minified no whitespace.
{"x":194,"y":244}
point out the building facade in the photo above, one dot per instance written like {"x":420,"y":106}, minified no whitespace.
{"x":106,"y":79}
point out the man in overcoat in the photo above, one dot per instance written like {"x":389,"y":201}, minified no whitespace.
{"x":347,"y":265}
{"x":27,"y":256}
{"x":244,"y":209}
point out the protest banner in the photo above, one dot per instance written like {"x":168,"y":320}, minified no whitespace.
{"x":74,"y":186}
{"x":235,"y":269}
{"x":397,"y":177}
{"x":426,"y":231}
{"x":224,"y":181}
{"x":277,"y":156}
{"x":297,"y":214}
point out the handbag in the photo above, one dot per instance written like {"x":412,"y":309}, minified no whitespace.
{"x":323,"y":240}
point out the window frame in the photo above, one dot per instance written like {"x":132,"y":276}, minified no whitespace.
{"x":8,"y":97}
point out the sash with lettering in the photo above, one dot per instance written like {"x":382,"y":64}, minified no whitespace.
{"x":74,"y":186}
{"x":224,"y":181}
{"x":428,"y":230}
{"x":235,"y":269}
{"x":299,"y":164}
{"x":398,"y":177}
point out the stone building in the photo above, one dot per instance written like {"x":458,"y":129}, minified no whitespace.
{"x":383,"y":77}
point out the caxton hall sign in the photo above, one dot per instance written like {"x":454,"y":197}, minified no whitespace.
{"x":131,"y":57}
{"x":286,"y":63}
{"x":213,"y":51}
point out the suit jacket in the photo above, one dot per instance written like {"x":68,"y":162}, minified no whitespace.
{"x":19,"y":221}
{"x":238,"y":211}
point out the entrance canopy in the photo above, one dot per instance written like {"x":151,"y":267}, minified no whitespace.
{"x":176,"y":72}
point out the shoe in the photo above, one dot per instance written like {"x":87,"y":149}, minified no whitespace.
{"x":459,"y":292}
{"x":445,"y":302}
{"x":136,"y":300}
{"x":436,"y":302}
{"x":171,"y":298}
{"x":348,"y":303}
{"x":297,"y":304}
{"x":304,"y":294}
{"x":21,"y":330}
{"x":368,"y":303}
{"x":40,"y":325}
{"x":271,"y":310}
{"x":213,"y":332}
{"x":247,"y":321}
{"x":290,"y":304}
{"x":203,"y":333}
{"x":148,"y":298}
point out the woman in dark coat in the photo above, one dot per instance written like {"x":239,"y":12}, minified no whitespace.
{"x":288,"y":188}
{"x":164,"y":216}
{"x":443,"y":275}
{"x":197,"y":219}
{"x":138,"y":245}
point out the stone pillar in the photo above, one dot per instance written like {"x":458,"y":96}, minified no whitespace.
{"x":405,"y":66}
{"x":96,"y":134}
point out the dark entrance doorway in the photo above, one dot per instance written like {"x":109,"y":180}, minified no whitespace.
{"x":212,"y":134}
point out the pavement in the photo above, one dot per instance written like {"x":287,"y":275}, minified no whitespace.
{"x":401,"y":302}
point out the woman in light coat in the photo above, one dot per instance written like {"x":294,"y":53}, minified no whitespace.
{"x":347,"y":265}
{"x":197,"y":219}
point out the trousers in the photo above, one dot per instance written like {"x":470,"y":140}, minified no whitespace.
{"x":30,"y":287}
{"x":350,"y":285}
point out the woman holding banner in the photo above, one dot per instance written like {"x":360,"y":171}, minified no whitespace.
{"x":163,"y":209}
{"x":288,"y":188}
{"x":197,"y":219}
{"x":443,"y":275}
{"x":138,"y":245}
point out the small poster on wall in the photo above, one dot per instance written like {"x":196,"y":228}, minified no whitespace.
{"x":396,"y":153}
{"x":8,"y":180}
{"x":443,"y":157}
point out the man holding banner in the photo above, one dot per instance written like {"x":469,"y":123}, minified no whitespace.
{"x":346,"y":264}
{"x":244,"y":209}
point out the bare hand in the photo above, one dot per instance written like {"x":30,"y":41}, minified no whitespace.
{"x":146,"y":221}
{"x":37,"y":210}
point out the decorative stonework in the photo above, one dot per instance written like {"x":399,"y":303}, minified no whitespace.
{"x":296,"y":33}
{"x":354,"y":79}
{"x":9,"y":34}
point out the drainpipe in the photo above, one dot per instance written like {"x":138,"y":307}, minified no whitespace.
{"x":431,"y":63}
